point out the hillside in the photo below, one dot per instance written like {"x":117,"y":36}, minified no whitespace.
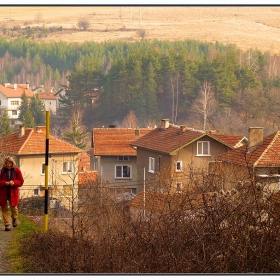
{"x":245,"y":26}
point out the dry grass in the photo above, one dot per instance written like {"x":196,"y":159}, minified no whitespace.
{"x":247,"y":27}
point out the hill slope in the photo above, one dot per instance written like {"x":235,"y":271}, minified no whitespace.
{"x":246,"y":26}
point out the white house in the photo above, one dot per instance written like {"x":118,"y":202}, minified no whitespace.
{"x":10,"y":99}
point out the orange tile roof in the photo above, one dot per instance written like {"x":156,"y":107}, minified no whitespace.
{"x":171,"y":139}
{"x":47,"y":95}
{"x":265,"y":154}
{"x":87,"y":178}
{"x":34,"y":142}
{"x":9,"y":90}
{"x":116,"y":141}
{"x":230,"y":140}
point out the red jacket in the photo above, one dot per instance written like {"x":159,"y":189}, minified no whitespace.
{"x":16,"y":176}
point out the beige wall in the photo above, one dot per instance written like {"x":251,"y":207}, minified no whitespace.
{"x":190,"y":163}
{"x":31,"y":168}
{"x":106,"y":171}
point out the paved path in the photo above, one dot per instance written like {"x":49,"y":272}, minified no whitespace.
{"x":5,"y":239}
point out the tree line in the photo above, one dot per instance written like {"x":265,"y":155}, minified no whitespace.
{"x":153,"y":79}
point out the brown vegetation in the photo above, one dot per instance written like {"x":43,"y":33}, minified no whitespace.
{"x":247,"y":26}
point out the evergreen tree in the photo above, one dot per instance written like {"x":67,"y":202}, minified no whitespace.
{"x":76,"y":135}
{"x":24,"y":105}
{"x":5,"y":125}
{"x":37,"y":107}
{"x":28,"y":120}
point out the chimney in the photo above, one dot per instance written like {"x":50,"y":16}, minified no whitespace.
{"x":255,"y":137}
{"x":21,"y":131}
{"x":164,"y":123}
{"x":183,"y":128}
{"x":15,"y":86}
{"x":27,"y":85}
{"x":137,"y":133}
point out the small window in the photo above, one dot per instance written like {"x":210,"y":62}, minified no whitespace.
{"x":67,"y":167}
{"x":179,"y":166}
{"x":123,"y":158}
{"x":43,"y":168}
{"x":123,"y":171}
{"x":179,"y":187}
{"x":66,"y":190}
{"x":14,"y":112}
{"x":36,"y":192}
{"x":151,"y":165}
{"x":203,"y":148}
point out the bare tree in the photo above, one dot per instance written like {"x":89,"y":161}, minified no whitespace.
{"x":130,"y":120}
{"x":84,"y":23}
{"x":205,"y":102}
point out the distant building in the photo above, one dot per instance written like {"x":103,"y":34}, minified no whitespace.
{"x":10,"y":99}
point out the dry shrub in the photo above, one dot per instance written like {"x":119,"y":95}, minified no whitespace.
{"x":191,"y":232}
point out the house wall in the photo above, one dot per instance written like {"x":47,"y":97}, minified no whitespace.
{"x":190,"y":163}
{"x":50,"y":105}
{"x":107,"y":169}
{"x":34,"y":179}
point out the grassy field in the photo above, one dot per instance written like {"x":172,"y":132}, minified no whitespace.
{"x":247,"y":27}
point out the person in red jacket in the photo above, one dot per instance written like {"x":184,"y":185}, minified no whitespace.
{"x":10,"y":181}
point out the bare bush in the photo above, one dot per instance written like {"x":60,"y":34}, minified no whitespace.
{"x":142,"y":33}
{"x":84,"y":23}
{"x":203,"y":229}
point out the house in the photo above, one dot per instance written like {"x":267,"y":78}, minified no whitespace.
{"x":50,"y":101}
{"x":170,"y":154}
{"x":28,"y":147}
{"x":256,"y":163}
{"x":42,"y":88}
{"x":114,"y":158}
{"x":10,"y":99}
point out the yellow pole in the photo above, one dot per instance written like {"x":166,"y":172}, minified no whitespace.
{"x":47,"y":170}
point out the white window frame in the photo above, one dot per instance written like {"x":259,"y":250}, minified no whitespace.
{"x":202,"y":143}
{"x":122,"y":171}
{"x":69,"y":167}
{"x":180,"y":164}
{"x":151,"y":165}
{"x":14,"y":102}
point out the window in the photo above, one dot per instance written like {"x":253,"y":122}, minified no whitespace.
{"x":36,"y":192}
{"x":122,"y":171}
{"x":67,"y":167}
{"x":123,"y":158}
{"x":14,"y":112}
{"x":179,"y":187}
{"x":179,"y":166}
{"x":151,"y":165}
{"x":43,"y":168}
{"x":66,"y":190}
{"x":14,"y":102}
{"x":203,"y":148}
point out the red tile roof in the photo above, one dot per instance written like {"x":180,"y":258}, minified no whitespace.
{"x":265,"y":154}
{"x":116,"y":141}
{"x":171,"y":139}
{"x":34,"y":142}
{"x":9,"y":90}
